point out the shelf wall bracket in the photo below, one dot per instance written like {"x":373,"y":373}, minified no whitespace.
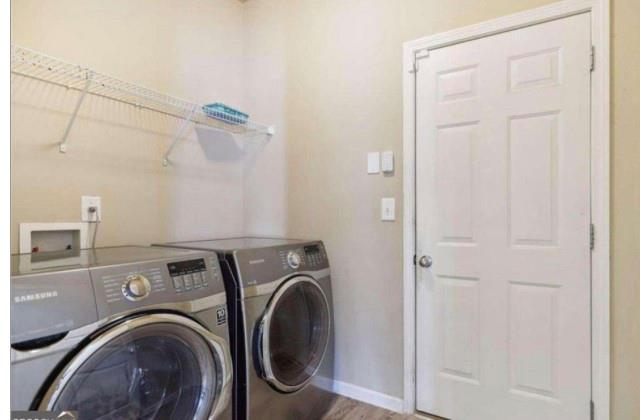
{"x":65,"y":136}
{"x":181,"y":132}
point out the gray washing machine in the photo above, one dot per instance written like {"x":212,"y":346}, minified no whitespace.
{"x":121,"y":332}
{"x":280,"y":301}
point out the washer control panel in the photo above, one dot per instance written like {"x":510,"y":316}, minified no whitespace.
{"x":124,"y":287}
{"x":189,"y":275}
{"x":136,"y":287}
{"x":132,"y":286}
{"x":294,"y":259}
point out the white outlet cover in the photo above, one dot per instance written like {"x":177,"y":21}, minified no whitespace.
{"x":388,"y":209}
{"x":90,"y":201}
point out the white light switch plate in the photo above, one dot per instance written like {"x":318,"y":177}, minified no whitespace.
{"x":90,"y":201}
{"x":387,"y":161}
{"x":388,"y":209}
{"x":373,"y":162}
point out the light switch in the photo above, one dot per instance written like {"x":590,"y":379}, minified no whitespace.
{"x":373,"y":162}
{"x":387,"y":161}
{"x":388,"y":209}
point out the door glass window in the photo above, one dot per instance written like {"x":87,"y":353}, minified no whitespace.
{"x":156,"y":371}
{"x":298,"y":333}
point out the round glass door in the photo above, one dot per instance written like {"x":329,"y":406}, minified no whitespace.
{"x":158,"y":366}
{"x":295,"y":334}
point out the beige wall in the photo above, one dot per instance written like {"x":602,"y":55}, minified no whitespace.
{"x":191,"y":49}
{"x":625,"y":209}
{"x":343,"y":98}
{"x":265,"y":80}
{"x":328,"y":73}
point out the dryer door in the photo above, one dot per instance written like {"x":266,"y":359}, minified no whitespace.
{"x":294,"y":333}
{"x":156,"y":366}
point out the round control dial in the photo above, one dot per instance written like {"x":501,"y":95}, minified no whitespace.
{"x":293,"y":259}
{"x":136,"y":287}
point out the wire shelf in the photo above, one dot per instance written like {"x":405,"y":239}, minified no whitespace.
{"x":28,"y":63}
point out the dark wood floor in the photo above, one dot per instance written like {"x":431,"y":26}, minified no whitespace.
{"x":347,"y":409}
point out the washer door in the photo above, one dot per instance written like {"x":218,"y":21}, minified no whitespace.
{"x":293,"y":334}
{"x":157,"y":366}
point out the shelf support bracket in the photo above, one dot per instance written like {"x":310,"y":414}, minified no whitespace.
{"x":63,"y":144}
{"x":181,"y":132}
{"x":269,"y":131}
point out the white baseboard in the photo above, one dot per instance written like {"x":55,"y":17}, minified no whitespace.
{"x":361,"y":394}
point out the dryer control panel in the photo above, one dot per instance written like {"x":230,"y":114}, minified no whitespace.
{"x":315,"y":255}
{"x":263,"y":265}
{"x":307,"y":257}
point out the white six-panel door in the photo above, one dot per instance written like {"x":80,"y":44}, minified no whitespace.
{"x":502,"y":146}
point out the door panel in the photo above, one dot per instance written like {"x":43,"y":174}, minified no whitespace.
{"x":503,"y":193}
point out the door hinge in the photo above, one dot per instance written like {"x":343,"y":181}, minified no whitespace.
{"x":417,"y":56}
{"x":592,"y":236}
{"x":593,"y":58}
{"x":593,"y":410}
{"x":415,"y":66}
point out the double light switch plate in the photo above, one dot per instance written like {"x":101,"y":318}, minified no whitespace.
{"x":377,"y":162}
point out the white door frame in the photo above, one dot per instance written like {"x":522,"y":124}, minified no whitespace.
{"x":600,"y":184}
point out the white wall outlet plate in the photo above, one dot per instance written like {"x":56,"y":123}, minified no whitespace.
{"x":388,"y":207}
{"x":87,"y":202}
{"x":373,"y":162}
{"x":387,"y":161}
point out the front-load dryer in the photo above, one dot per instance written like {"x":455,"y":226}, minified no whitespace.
{"x":280,"y":300}
{"x":120,"y":333}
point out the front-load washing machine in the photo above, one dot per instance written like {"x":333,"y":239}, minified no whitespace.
{"x":279,"y":294}
{"x":120,"y":333}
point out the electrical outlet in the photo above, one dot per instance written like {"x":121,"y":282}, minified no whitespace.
{"x":87,"y":202}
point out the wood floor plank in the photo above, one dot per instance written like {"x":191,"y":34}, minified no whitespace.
{"x":348,"y":409}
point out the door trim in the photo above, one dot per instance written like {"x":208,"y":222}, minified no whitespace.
{"x":418,"y":49}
